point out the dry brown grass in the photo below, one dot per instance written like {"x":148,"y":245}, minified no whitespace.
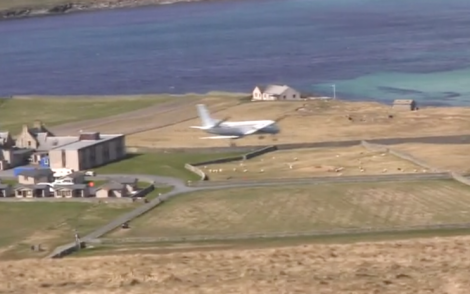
{"x":174,"y":111}
{"x":420,"y":266}
{"x":322,"y":121}
{"x":305,"y":208}
{"x":313,"y":162}
{"x":448,"y":157}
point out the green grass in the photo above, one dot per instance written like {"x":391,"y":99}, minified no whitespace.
{"x":162,"y":164}
{"x":60,"y":110}
{"x":50,"y":224}
{"x":158,"y":190}
{"x":304,"y":208}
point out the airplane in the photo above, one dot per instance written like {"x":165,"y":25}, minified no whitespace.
{"x":233,"y":130}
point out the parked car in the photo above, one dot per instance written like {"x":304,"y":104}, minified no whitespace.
{"x":90,"y":173}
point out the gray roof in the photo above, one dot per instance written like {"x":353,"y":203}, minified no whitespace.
{"x":4,"y":186}
{"x":40,"y":172}
{"x":47,"y":142}
{"x":71,"y":187}
{"x":35,"y":187}
{"x":85,"y":143}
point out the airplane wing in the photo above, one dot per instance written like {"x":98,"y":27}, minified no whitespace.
{"x":253,"y":129}
{"x":221,"y":137}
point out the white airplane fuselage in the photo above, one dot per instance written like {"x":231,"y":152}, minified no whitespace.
{"x":236,"y":128}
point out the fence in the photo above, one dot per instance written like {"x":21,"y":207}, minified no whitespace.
{"x":334,"y":232}
{"x":327,"y":179}
{"x":460,"y":178}
{"x":450,"y":139}
{"x":192,"y":167}
{"x":70,"y":248}
{"x":399,"y":154}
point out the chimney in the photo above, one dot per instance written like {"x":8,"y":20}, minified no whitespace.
{"x":37,"y":124}
{"x":25,"y":128}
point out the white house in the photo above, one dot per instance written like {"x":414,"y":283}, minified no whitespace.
{"x":275,"y":92}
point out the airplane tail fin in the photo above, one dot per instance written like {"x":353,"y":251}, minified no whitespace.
{"x":204,"y":115}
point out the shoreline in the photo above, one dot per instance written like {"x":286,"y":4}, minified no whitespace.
{"x":76,"y":7}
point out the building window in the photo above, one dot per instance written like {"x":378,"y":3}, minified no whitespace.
{"x":64,"y":159}
{"x":66,"y":193}
{"x":105,"y":152}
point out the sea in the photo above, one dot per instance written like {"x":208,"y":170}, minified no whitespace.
{"x":364,"y":49}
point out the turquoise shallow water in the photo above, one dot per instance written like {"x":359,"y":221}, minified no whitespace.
{"x":370,"y":49}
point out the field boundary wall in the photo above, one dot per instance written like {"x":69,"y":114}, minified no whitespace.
{"x":403,"y":155}
{"x":334,"y":232}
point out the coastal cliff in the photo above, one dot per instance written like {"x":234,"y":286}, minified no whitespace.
{"x":78,"y":6}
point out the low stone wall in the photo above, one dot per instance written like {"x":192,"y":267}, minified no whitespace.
{"x":220,"y":160}
{"x":198,"y":150}
{"x":197,"y":171}
{"x":405,"y":156}
{"x":142,"y":193}
{"x":327,"y":180}
{"x":352,"y":231}
{"x":259,"y":152}
{"x":451,"y":139}
{"x":409,"y":157}
{"x":374,"y":147}
{"x":460,"y":178}
{"x":193,"y":167}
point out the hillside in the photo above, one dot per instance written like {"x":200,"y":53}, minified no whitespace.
{"x":439,"y":265}
{"x":26,"y":8}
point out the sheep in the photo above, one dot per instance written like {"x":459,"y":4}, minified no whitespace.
{"x":245,"y":170}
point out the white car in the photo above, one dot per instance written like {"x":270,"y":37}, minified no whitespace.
{"x":90,"y":173}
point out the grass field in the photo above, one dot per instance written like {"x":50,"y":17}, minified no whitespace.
{"x":407,"y":267}
{"x":448,"y":157}
{"x":162,"y":164}
{"x":308,"y":121}
{"x":61,"y":110}
{"x":305,"y":208}
{"x":50,"y":224}
{"x":312,"y":162}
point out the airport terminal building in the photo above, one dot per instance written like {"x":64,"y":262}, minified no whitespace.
{"x":91,"y":150}
{"x":85,"y":151}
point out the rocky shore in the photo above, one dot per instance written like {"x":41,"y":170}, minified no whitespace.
{"x":80,"y":6}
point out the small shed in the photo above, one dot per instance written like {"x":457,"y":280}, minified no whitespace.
{"x":112,"y":190}
{"x":32,"y":191}
{"x":70,"y":191}
{"x":404,"y":104}
{"x":5,"y":190}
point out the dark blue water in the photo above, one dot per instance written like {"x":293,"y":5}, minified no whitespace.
{"x":372,"y":49}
